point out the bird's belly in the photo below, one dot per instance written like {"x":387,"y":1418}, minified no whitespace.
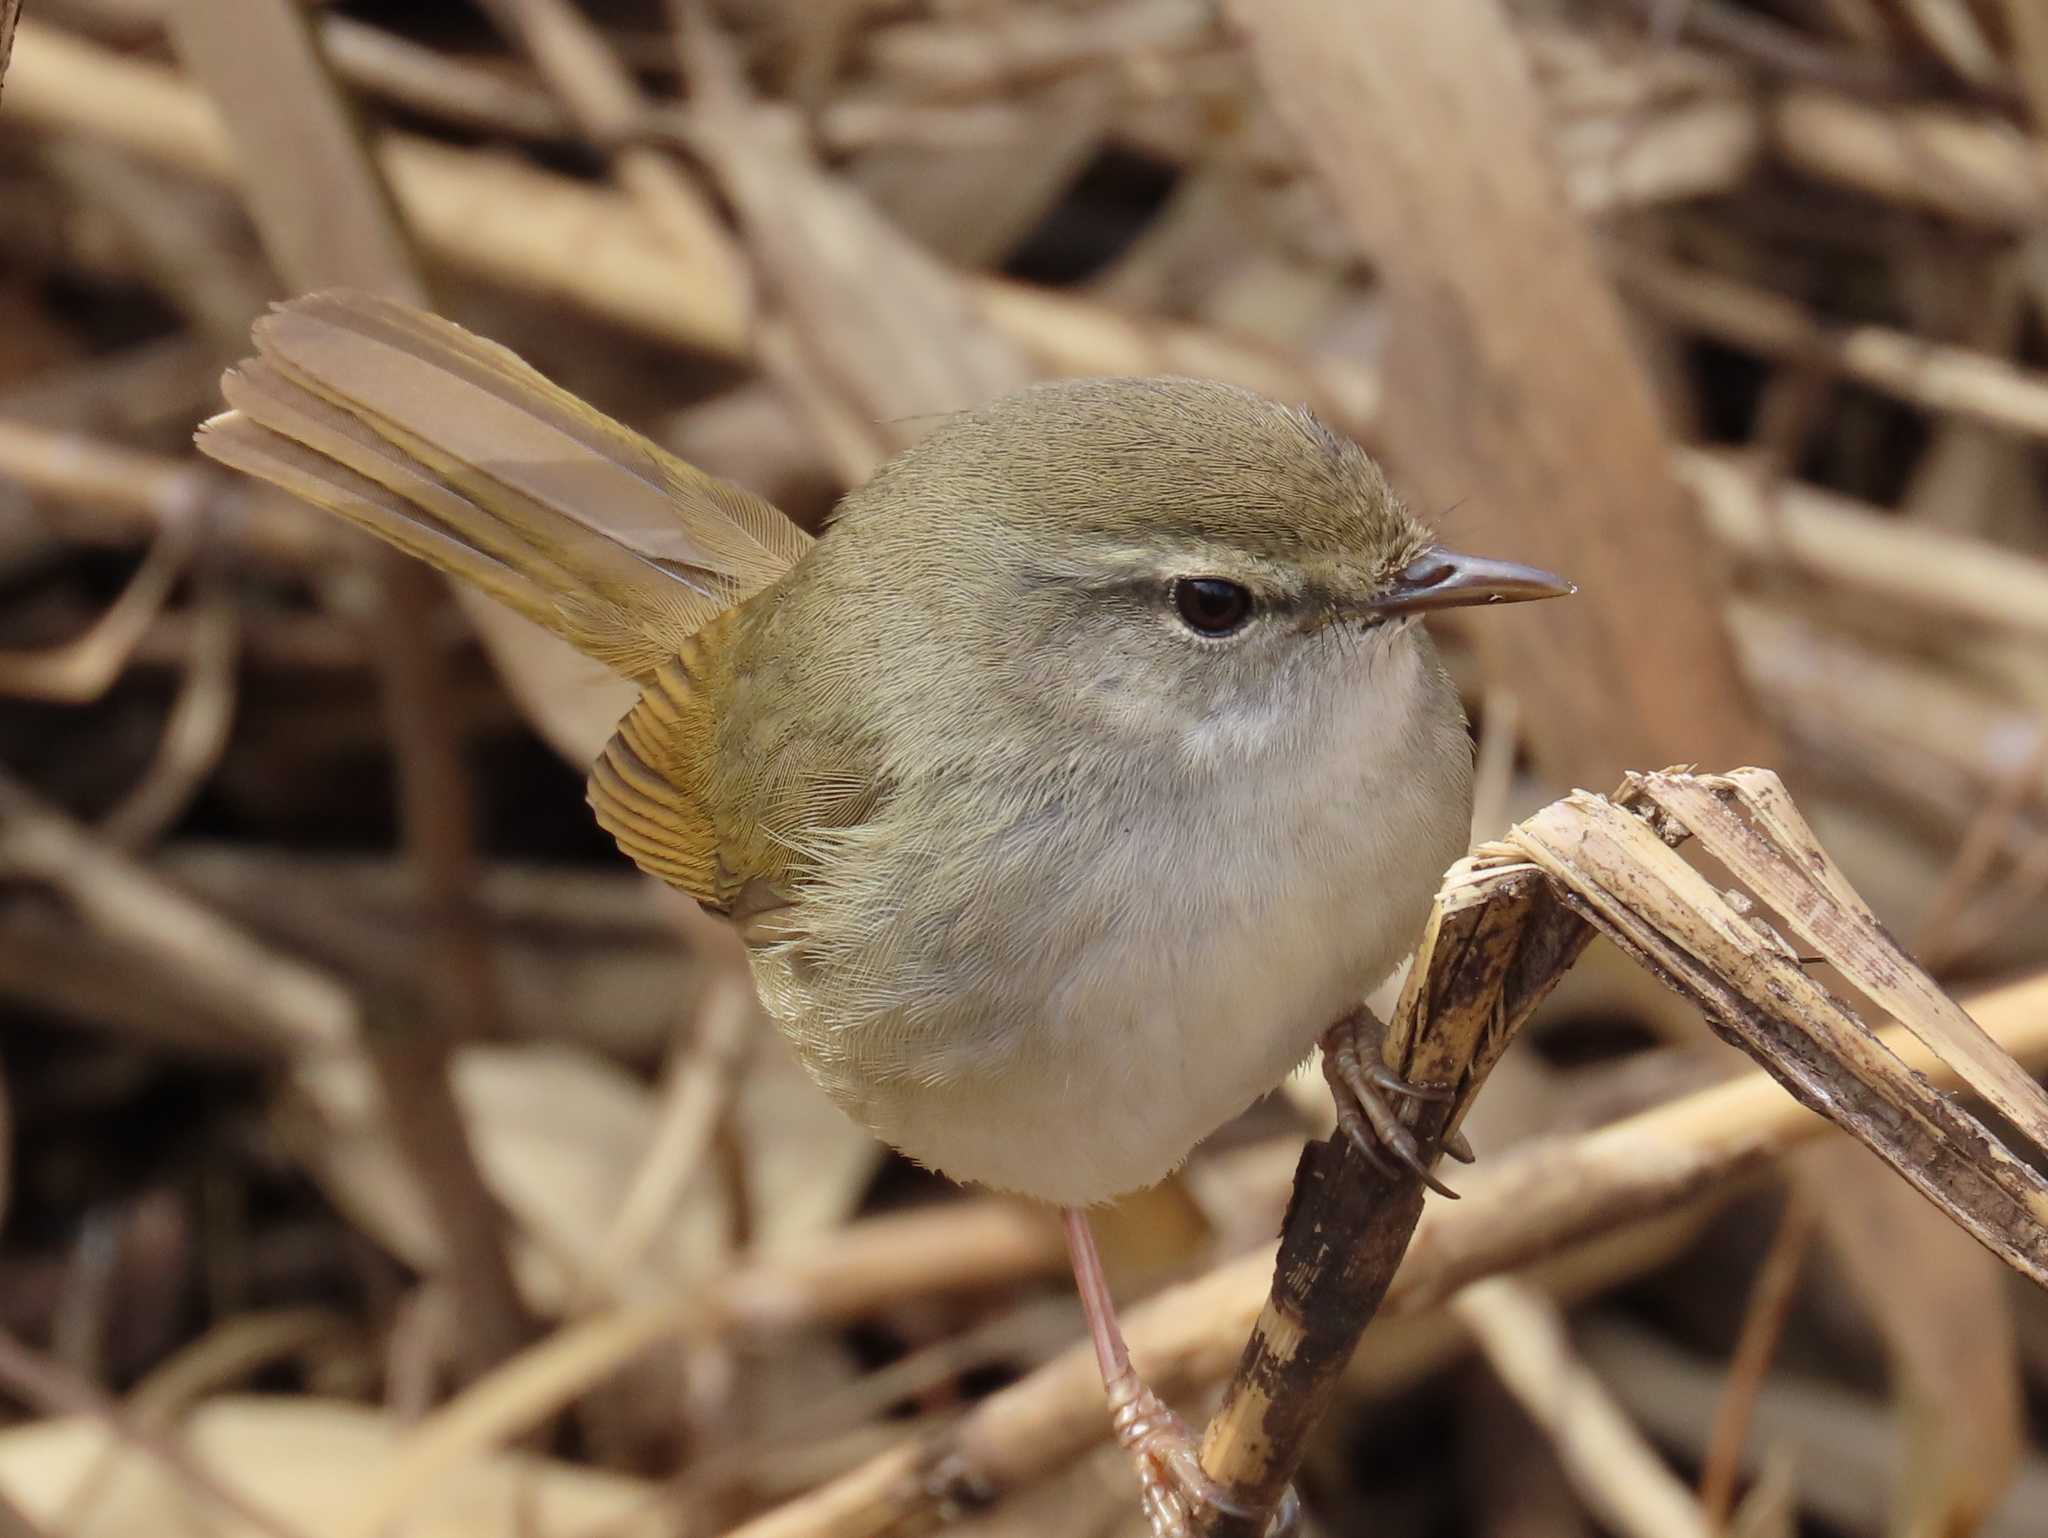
{"x":1123,"y":979}
{"x":1098,"y":1076}
{"x":1108,"y":1007}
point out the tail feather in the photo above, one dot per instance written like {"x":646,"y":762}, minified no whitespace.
{"x":457,"y":451}
{"x":284,"y":459}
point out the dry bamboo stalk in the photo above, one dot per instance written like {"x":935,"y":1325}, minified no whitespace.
{"x":282,"y":1006}
{"x":1495,"y":945}
{"x":592,"y":249}
{"x":1745,"y":820}
{"x":604,"y":102}
{"x":1427,"y":132}
{"x":449,"y":90}
{"x":1848,"y":542}
{"x":1754,"y":991}
{"x":1964,"y":166}
{"x":1621,"y":1477}
{"x":1942,"y":378}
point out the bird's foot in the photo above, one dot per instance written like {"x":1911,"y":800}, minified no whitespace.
{"x":1361,"y":1082}
{"x":1163,"y":1450}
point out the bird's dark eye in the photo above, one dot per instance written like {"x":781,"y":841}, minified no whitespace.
{"x":1210,"y":605}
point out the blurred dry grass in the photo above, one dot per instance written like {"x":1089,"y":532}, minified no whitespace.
{"x":379,"y":1156}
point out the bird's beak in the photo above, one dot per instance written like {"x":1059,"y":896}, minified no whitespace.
{"x":1444,"y":579}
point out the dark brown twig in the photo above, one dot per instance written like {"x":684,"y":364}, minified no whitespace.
{"x":265,"y":71}
{"x":1770,"y":1302}
{"x":1990,"y":832}
{"x":1496,"y":944}
{"x":195,"y":732}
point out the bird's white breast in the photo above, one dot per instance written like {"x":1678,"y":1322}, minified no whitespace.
{"x":1134,"y":975}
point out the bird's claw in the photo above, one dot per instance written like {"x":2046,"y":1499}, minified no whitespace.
{"x":1173,"y":1483}
{"x":1361,"y":1084}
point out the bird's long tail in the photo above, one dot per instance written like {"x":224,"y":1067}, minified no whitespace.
{"x":455,"y":450}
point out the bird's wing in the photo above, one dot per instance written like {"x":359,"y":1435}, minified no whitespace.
{"x":652,"y":790}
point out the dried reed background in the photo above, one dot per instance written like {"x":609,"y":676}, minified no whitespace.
{"x":363,"y":1118}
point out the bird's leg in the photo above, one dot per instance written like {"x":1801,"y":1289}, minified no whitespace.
{"x":1360,"y":1082}
{"x":1160,"y":1445}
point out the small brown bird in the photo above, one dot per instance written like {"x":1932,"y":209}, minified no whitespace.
{"x":1089,"y":765}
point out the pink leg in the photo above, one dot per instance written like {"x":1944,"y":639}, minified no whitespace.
{"x":1162,"y":1448}
{"x":1111,"y":1355}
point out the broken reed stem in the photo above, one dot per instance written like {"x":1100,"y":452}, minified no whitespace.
{"x":1497,"y":941}
{"x":1346,"y":1230}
